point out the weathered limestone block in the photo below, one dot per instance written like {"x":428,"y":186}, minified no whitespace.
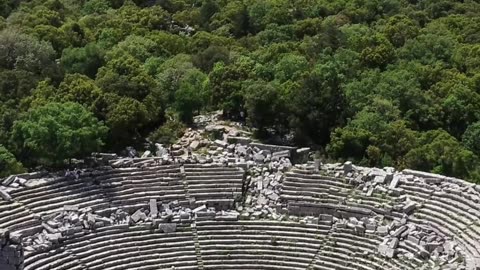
{"x":4,"y":194}
{"x":167,"y":227}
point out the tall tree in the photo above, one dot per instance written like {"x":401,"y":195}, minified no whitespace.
{"x":56,"y":132}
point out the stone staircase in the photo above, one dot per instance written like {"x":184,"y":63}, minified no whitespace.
{"x":311,"y":266}
{"x":197,"y":246}
{"x":189,"y":198}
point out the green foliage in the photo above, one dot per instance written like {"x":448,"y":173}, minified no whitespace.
{"x":467,"y":58}
{"x":441,"y":153}
{"x":317,"y":104}
{"x":96,"y":7}
{"x":225,"y":83}
{"x":8,"y":164}
{"x":379,"y":54}
{"x":429,"y":48}
{"x":78,"y":88}
{"x":125,"y":76}
{"x":380,"y":82}
{"x":471,"y":138}
{"x":265,"y":107}
{"x":51,"y":134}
{"x":74,"y":88}
{"x":3,"y":23}
{"x":399,"y":29}
{"x":290,"y":68}
{"x":125,"y":117}
{"x":232,"y":19}
{"x":7,"y":6}
{"x":170,"y":74}
{"x":190,"y":95}
{"x":208,"y":8}
{"x":16,"y":84}
{"x":23,"y":52}
{"x":206,"y":59}
{"x":168,"y":133}
{"x":8,"y":114}
{"x":86,"y":60}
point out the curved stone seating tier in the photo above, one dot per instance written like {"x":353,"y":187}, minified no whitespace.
{"x":258,"y":244}
{"x":51,"y":198}
{"x":16,"y":217}
{"x":452,"y":215}
{"x":449,"y":208}
{"x":350,"y":251}
{"x":136,"y":186}
{"x":213,"y":183}
{"x":266,"y":244}
{"x":318,"y":190}
{"x":106,"y":189}
{"x":165,"y":188}
{"x":58,"y":259}
{"x":122,"y":247}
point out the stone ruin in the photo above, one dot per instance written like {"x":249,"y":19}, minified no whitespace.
{"x":232,"y":203}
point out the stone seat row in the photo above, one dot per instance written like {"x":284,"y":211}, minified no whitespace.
{"x":448,"y":210}
{"x":213,"y":184}
{"x":220,"y":243}
{"x":162,"y":189}
{"x":113,"y":175}
{"x":134,"y":173}
{"x":55,"y":259}
{"x":207,"y":173}
{"x":423,"y":192}
{"x":248,"y":265}
{"x":283,"y":245}
{"x":316,"y":188}
{"x":14,"y":216}
{"x":241,"y":242}
{"x":365,"y":248}
{"x":338,"y":253}
{"x":223,"y":245}
{"x":115,"y":247}
{"x":452,"y":215}
{"x":120,"y":187}
{"x":49,"y":198}
{"x":329,"y":197}
{"x":310,"y":180}
{"x":138,"y":186}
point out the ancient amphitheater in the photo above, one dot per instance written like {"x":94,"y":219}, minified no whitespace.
{"x":245,"y":206}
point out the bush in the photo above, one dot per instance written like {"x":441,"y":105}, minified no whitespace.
{"x":168,"y":133}
{"x":8,"y":164}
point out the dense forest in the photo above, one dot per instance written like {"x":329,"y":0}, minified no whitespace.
{"x":379,"y":82}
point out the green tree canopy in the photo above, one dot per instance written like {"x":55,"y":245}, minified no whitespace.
{"x":441,"y":153}
{"x":21,"y":51}
{"x":190,"y":94}
{"x":8,"y":163}
{"x":381,"y":82}
{"x":51,"y":134}
{"x":125,"y":117}
{"x":86,"y":60}
{"x":471,"y":138}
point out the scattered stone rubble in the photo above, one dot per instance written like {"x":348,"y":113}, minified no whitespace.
{"x":392,"y":214}
{"x":429,"y":245}
{"x":11,"y":253}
